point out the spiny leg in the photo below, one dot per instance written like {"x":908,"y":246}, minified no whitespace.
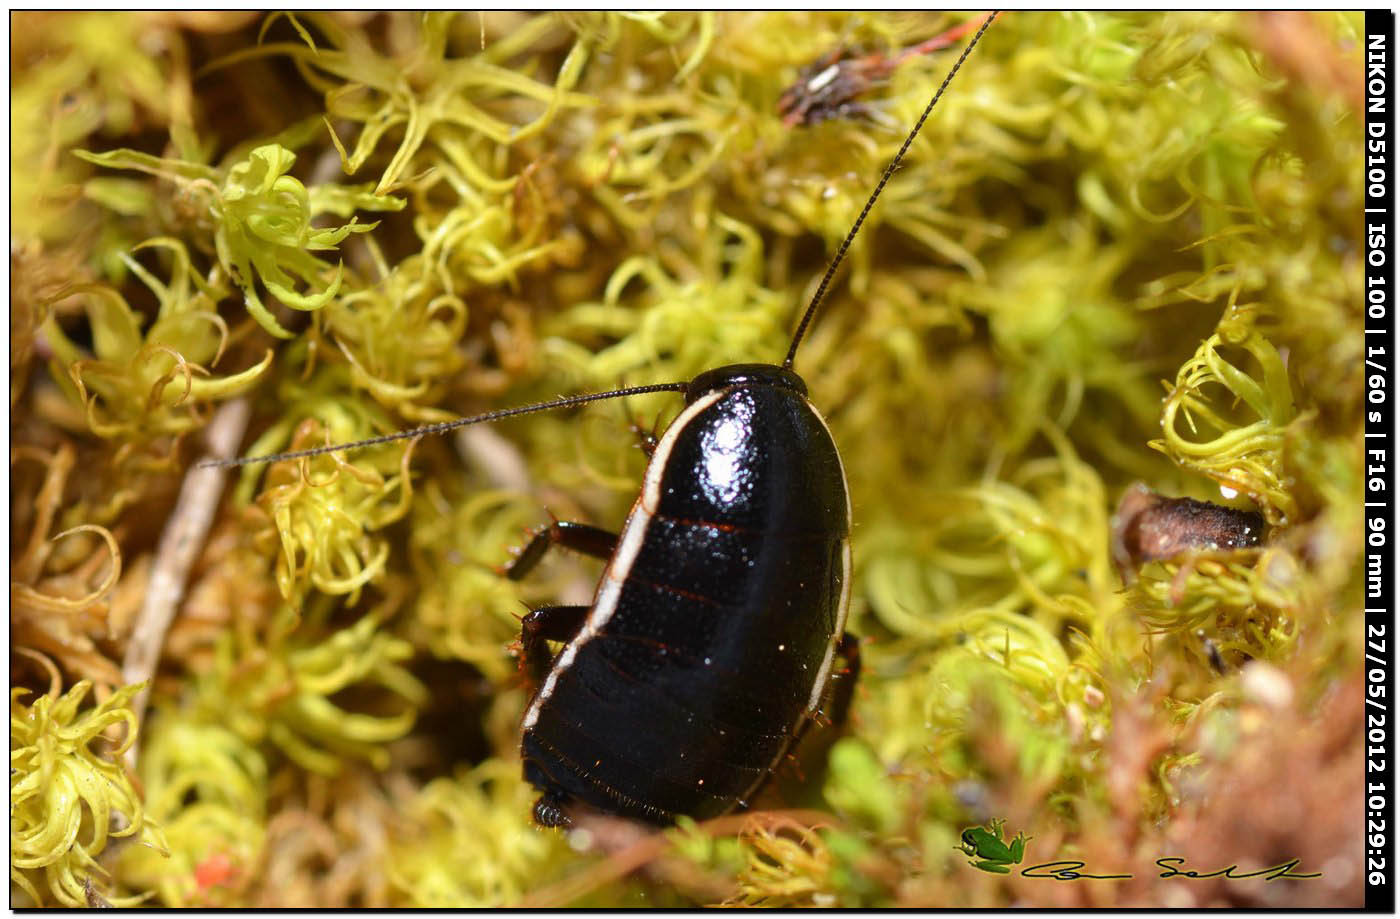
{"x":553,"y":623}
{"x":580,"y":537}
{"x":646,"y":437}
{"x":543,"y":625}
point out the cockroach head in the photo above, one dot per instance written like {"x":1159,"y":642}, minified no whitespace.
{"x":744,"y":375}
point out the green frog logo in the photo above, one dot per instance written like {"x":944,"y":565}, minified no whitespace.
{"x":987,"y":848}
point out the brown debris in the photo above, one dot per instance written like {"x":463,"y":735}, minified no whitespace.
{"x":1148,"y":527}
{"x":63,"y":614}
{"x":1285,"y":788}
{"x":829,"y":87}
{"x":1295,"y":42}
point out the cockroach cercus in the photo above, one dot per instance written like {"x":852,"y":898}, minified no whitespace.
{"x":712,"y":636}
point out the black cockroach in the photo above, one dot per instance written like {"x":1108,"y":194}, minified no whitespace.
{"x":711,"y":639}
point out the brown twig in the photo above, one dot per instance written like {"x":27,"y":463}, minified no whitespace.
{"x":95,"y":900}
{"x":180,"y":543}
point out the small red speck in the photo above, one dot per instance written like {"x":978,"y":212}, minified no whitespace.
{"x":215,"y":871}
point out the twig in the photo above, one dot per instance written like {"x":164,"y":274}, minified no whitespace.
{"x":95,"y":900}
{"x":180,"y":543}
{"x":495,"y":457}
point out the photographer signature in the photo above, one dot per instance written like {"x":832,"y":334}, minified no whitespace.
{"x":988,"y":849}
{"x":1069,"y":870}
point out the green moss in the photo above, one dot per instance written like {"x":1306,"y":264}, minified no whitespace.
{"x":263,"y":233}
{"x":324,"y":521}
{"x":209,"y":788}
{"x":472,"y":612}
{"x":141,"y":385}
{"x":65,"y":792}
{"x":467,"y":847}
{"x":282,"y":693}
{"x":1104,"y":207}
{"x":1242,"y":454}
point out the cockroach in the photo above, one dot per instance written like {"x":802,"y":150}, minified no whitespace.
{"x":712,"y":637}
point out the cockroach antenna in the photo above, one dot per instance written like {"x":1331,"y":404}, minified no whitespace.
{"x":870,"y":202}
{"x":443,"y":427}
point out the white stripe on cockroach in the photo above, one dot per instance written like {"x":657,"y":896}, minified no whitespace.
{"x":712,"y":636}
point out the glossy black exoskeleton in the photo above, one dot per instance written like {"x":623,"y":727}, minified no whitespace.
{"x":714,"y":627}
{"x":714,"y":631}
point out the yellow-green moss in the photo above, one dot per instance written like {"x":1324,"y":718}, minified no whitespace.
{"x":208,"y":786}
{"x":69,"y":797}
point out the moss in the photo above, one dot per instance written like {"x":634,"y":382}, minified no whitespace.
{"x":283,"y":692}
{"x":155,"y":383}
{"x":466,"y":847}
{"x":1242,"y":454}
{"x":359,"y":222}
{"x":262,"y":223}
{"x":209,"y":787}
{"x":66,"y":790}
